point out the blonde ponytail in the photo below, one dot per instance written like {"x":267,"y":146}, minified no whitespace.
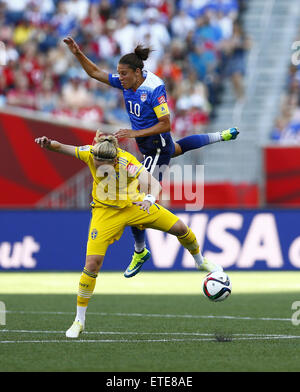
{"x":106,"y":147}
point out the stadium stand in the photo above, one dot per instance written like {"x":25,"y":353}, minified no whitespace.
{"x":286,"y":129}
{"x":272,"y":26}
{"x":224,"y":63}
{"x":191,"y":41}
{"x":194,"y":54}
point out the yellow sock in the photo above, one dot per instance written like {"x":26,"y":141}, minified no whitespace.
{"x":87,"y":284}
{"x":189,"y":242}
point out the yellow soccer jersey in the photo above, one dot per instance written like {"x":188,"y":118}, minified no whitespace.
{"x":113,"y":186}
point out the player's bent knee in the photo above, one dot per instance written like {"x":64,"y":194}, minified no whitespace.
{"x":179,"y":228}
{"x":93,"y":263}
{"x":178,"y":150}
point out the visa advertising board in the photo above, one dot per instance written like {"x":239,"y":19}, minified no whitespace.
{"x":236,"y":239}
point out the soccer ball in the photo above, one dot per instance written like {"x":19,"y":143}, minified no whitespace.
{"x":217,"y":286}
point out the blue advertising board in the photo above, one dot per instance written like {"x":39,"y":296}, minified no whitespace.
{"x":236,"y":239}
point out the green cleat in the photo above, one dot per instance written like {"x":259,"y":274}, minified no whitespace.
{"x":137,"y":261}
{"x":229,"y":134}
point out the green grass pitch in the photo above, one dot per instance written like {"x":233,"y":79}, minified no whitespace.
{"x":154,"y":322}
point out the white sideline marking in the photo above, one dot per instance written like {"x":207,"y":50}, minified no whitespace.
{"x":195,"y":316}
{"x":188,"y":338}
{"x":149,"y":340}
{"x":136,"y":333}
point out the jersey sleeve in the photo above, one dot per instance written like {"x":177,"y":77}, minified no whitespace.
{"x":83,"y":153}
{"x":159,"y":101}
{"x":114,"y":81}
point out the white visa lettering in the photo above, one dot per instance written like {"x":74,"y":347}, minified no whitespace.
{"x":219,"y":236}
{"x":261,"y":243}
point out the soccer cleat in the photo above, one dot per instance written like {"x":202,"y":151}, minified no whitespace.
{"x":229,"y":134}
{"x":209,"y":266}
{"x":75,"y":330}
{"x":137,"y":261}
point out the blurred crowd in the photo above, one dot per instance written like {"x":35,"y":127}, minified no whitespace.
{"x":197,"y":45}
{"x":286,"y":129}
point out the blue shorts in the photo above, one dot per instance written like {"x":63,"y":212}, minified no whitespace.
{"x":157,"y":161}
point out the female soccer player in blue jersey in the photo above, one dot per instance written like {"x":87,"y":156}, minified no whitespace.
{"x":146,"y":103}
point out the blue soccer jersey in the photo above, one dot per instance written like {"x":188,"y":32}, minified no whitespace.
{"x":145,"y":106}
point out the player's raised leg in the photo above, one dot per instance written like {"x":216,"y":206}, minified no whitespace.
{"x":189,"y":241}
{"x":86,"y":288}
{"x":194,"y":142}
{"x":162,"y":219}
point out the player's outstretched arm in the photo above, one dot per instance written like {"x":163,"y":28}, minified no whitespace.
{"x":90,"y":68}
{"x":53,"y":145}
{"x":163,"y":125}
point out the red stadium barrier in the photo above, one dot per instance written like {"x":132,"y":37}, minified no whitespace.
{"x":29,"y":173}
{"x":223,"y":195}
{"x":282,"y":170}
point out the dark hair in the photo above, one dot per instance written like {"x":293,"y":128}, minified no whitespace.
{"x":136,"y":59}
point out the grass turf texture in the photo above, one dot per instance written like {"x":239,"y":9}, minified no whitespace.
{"x":154,"y":322}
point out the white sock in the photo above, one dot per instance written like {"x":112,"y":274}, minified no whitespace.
{"x":139,"y":246}
{"x":214,"y":137}
{"x":198,"y":258}
{"x":80,"y":315}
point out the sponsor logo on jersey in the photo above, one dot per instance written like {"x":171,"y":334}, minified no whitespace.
{"x":131,"y":168}
{"x":161,"y":99}
{"x":143,"y":97}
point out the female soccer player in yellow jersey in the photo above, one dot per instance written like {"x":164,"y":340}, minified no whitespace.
{"x":124,"y":194}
